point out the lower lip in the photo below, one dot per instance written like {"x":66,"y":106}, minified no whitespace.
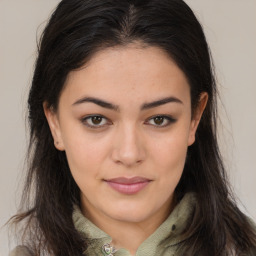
{"x":128,"y":189}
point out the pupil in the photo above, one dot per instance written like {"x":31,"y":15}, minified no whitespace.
{"x":158,"y":120}
{"x":96,"y":119}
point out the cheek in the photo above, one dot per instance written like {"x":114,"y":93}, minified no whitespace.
{"x":170,"y":160}
{"x":85,"y":153}
{"x":170,"y":151}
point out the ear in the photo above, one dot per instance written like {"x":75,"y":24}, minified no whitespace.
{"x":54,"y":125}
{"x":197,"y":117}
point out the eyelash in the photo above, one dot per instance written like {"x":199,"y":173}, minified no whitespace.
{"x":166,"y":118}
{"x":85,"y":119}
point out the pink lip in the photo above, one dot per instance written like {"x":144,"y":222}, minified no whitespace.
{"x":128,"y":186}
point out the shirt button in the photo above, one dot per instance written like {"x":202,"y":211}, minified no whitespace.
{"x":109,"y":250}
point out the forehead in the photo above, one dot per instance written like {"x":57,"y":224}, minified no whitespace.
{"x":132,"y":71}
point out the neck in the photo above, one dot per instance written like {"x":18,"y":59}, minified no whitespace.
{"x":124,"y":232}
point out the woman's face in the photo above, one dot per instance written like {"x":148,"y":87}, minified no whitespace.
{"x":124,"y":121}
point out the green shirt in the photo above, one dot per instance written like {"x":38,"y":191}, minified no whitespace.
{"x":164,"y":241}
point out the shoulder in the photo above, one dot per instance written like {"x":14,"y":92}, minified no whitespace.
{"x":20,"y":251}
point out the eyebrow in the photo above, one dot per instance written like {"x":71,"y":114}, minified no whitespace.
{"x":160,"y":102}
{"x":111,"y":106}
{"x":97,"y":101}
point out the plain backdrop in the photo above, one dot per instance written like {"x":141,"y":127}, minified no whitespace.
{"x":230,"y":27}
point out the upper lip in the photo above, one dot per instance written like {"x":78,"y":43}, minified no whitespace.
{"x":133,"y":180}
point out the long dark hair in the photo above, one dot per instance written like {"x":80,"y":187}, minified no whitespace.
{"x":75,"y":32}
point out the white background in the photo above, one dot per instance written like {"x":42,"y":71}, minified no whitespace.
{"x":231,"y":31}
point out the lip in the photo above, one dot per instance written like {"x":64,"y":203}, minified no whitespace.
{"x":128,"y":186}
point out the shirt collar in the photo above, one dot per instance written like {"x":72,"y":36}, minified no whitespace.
{"x":169,"y":233}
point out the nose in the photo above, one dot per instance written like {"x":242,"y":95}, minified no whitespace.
{"x":128,"y":147}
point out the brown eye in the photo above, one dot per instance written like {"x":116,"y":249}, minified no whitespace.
{"x":96,"y":121}
{"x":161,"y":121}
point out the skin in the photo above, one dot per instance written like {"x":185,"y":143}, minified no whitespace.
{"x":126,"y":141}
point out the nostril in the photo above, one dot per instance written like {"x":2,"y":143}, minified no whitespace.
{"x":128,"y":158}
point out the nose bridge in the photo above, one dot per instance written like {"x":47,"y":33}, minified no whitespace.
{"x":128,"y":146}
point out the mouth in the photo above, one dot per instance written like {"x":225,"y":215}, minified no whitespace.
{"x":128,"y":186}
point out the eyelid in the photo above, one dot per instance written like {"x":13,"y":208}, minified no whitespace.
{"x":85,"y":118}
{"x":169,"y":118}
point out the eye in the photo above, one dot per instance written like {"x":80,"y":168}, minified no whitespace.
{"x":95,"y":121}
{"x":161,"y":120}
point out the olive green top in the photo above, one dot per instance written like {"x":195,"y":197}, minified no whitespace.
{"x":163,"y":241}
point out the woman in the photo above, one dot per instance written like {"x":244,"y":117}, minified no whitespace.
{"x":124,"y":157}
